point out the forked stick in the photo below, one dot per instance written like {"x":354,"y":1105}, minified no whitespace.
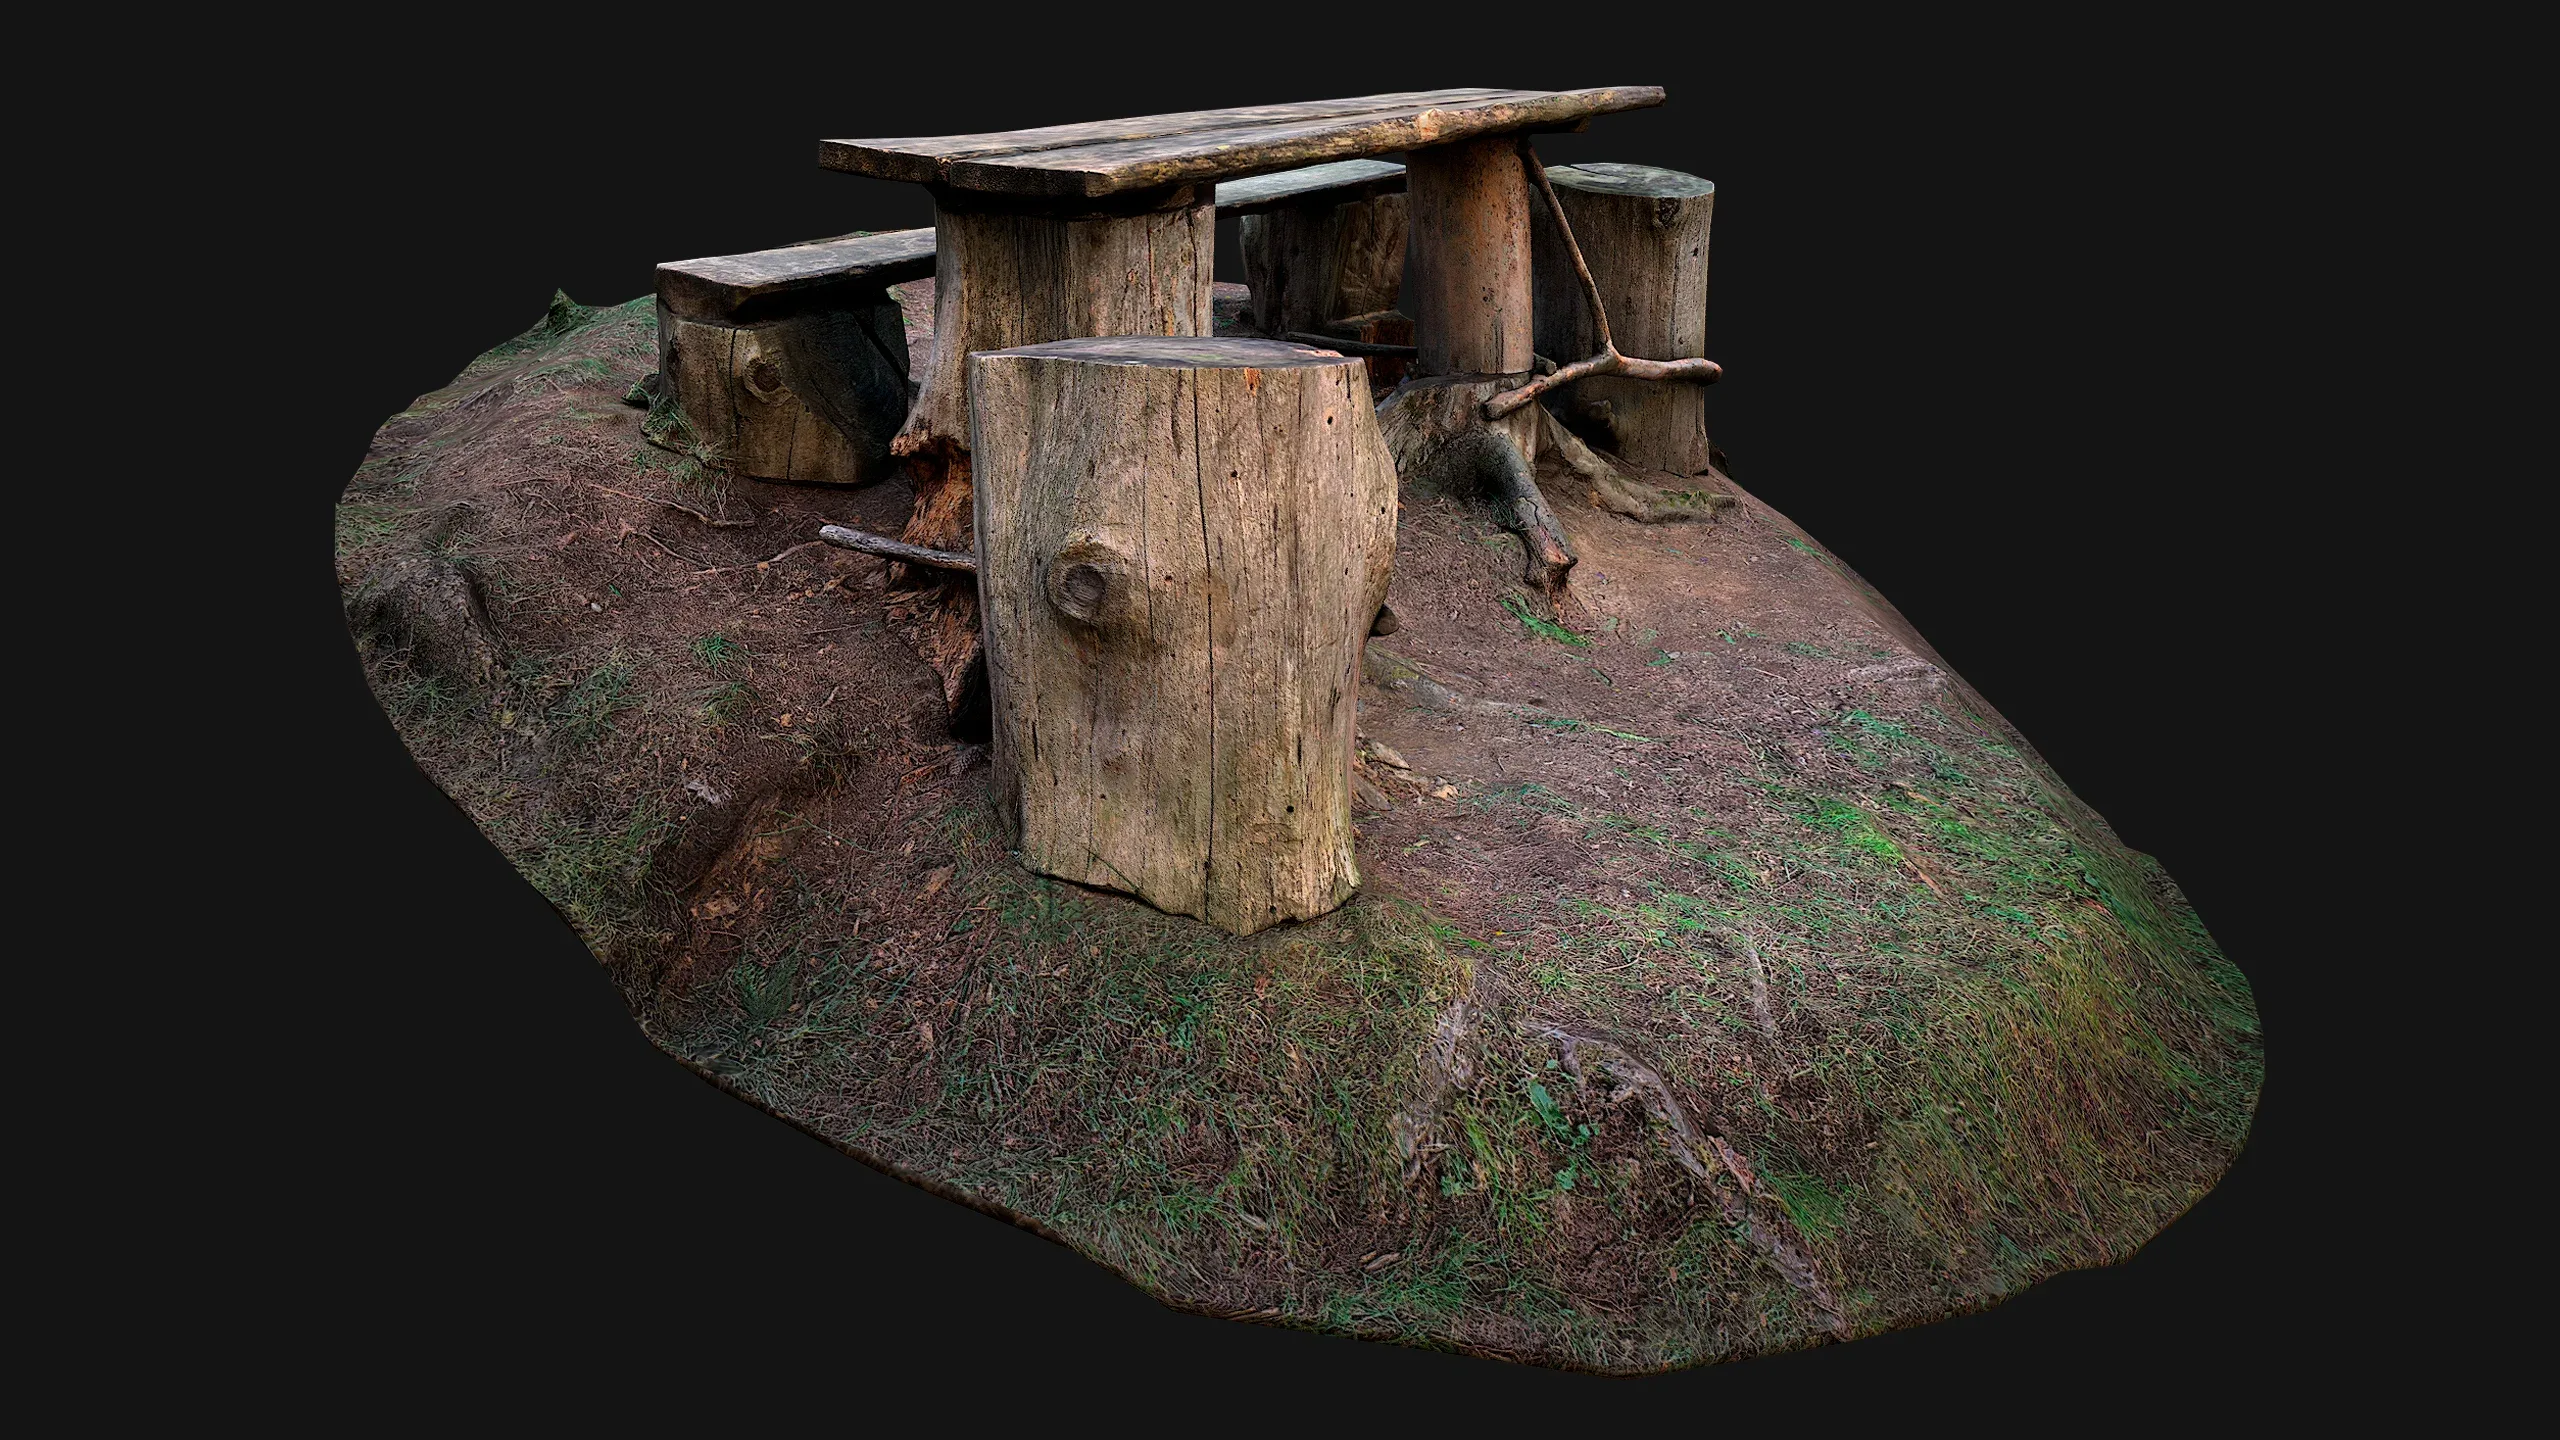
{"x":1608,"y":361}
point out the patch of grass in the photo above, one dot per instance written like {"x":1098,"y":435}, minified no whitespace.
{"x":594,"y":870}
{"x":1518,"y":605}
{"x":584,"y":712}
{"x":1570,"y":725}
{"x":1854,"y":829}
{"x":583,"y":370}
{"x":1810,"y":1203}
{"x":714,"y":651}
{"x":364,"y":523}
{"x":721,"y":704}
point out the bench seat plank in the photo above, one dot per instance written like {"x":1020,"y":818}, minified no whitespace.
{"x":1110,"y":157}
{"x":1341,"y":182}
{"x":766,"y":284}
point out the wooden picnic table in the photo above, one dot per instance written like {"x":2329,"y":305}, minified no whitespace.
{"x":1107,"y":227}
{"x":1157,"y":152}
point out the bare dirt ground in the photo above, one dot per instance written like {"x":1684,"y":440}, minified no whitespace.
{"x":1727,"y":976}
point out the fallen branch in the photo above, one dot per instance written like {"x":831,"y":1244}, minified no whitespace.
{"x":1608,"y":361}
{"x":883,"y":546}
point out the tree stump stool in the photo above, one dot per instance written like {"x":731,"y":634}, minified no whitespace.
{"x":1643,"y":232}
{"x":791,"y":364}
{"x":1181,"y":545}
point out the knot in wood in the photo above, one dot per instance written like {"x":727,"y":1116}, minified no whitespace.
{"x":1087,"y":581}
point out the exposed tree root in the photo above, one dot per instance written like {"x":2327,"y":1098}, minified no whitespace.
{"x":1702,"y":1153}
{"x":429,"y":606}
{"x":1439,"y":438}
{"x":1615,"y":492}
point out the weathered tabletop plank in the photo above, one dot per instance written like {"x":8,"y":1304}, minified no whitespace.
{"x":1340,"y":182}
{"x":1110,"y":157}
{"x":741,"y":289}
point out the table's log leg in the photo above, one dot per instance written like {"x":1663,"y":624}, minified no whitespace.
{"x":1466,"y":284}
{"x":1002,"y":280}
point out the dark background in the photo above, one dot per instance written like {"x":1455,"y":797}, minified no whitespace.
{"x":2002,"y":314}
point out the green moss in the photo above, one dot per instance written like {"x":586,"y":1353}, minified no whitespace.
{"x":1538,"y":626}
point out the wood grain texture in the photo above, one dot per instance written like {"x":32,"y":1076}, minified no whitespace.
{"x":1467,"y":259}
{"x":1105,"y":157}
{"x":1003,"y":281}
{"x":769,"y":284}
{"x":1182,"y":544}
{"x":1320,"y":260}
{"x":1644,"y":233}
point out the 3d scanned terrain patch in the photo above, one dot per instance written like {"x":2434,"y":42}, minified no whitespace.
{"x":1722,"y":974}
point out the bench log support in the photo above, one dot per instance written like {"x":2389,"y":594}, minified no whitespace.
{"x":1313,"y":263}
{"x":788,"y":364}
{"x":1183,"y":544}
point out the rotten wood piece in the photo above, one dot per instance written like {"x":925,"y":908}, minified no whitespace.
{"x":1115,"y":157}
{"x":1185,"y":542}
{"x":1643,"y":232}
{"x":789,"y":364}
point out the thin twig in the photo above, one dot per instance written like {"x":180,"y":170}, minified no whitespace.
{"x":663,"y":545}
{"x":676,"y":505}
{"x":760,"y":564}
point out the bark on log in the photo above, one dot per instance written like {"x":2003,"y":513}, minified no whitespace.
{"x":814,"y":396}
{"x":1643,"y":232}
{"x":1322,"y":260}
{"x":1183,"y":543}
{"x":1003,"y":280}
{"x":1466,"y":269}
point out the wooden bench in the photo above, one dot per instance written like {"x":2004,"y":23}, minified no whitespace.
{"x":791,"y":364}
